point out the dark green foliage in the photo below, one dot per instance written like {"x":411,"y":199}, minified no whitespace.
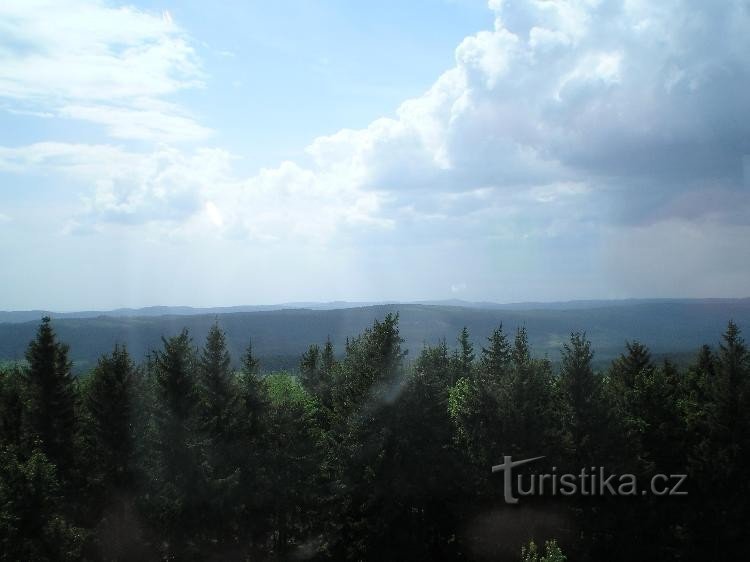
{"x":552,"y":553}
{"x":252,"y":395}
{"x":368,"y":457}
{"x":32,"y":524}
{"x":718,"y":417}
{"x":582,"y":392}
{"x":176,"y":494}
{"x":463,"y":358}
{"x":110,"y":407}
{"x":495,"y":362}
{"x":51,"y":397}
{"x":216,"y":390}
{"x":294,"y":451}
{"x":372,"y":370}
{"x":175,"y":379}
{"x":12,"y":406}
{"x":426,"y":471}
{"x":436,"y":366}
{"x":317,"y":370}
{"x":328,"y":359}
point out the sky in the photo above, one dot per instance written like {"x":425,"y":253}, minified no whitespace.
{"x":225,"y":153}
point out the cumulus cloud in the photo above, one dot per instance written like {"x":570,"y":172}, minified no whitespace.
{"x":190,"y":192}
{"x":636,"y":101}
{"x":84,"y":59}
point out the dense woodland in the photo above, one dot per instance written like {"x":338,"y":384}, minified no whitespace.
{"x":363,"y":455}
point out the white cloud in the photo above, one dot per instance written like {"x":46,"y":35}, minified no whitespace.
{"x":563,"y":120}
{"x":144,"y":120}
{"x":628,"y":98}
{"x":185,"y":192}
{"x":87,"y":60}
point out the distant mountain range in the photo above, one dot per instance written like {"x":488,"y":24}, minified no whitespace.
{"x":281,"y":333}
{"x":15,"y":316}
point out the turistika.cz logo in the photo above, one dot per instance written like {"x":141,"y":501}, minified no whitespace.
{"x":590,"y":481}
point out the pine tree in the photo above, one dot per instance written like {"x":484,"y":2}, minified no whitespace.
{"x":464,"y":356}
{"x":369,"y":383}
{"x":434,"y":366}
{"x":730,"y":387}
{"x":327,"y":374}
{"x":176,"y":388}
{"x":531,"y":409}
{"x":220,"y":439}
{"x":422,"y":526}
{"x":110,"y":402}
{"x":372,"y":370}
{"x":12,"y":407}
{"x":252,"y":393}
{"x":494,"y":365}
{"x":477,"y":404}
{"x":217,"y":393}
{"x":252,"y":451}
{"x":309,"y":369}
{"x":629,"y":366}
{"x":631,"y":377}
{"x":706,"y":361}
{"x":176,"y":502}
{"x":583,"y":398}
{"x":729,"y":445}
{"x":250,"y":363}
{"x":292,"y":456}
{"x":521,"y":351}
{"x":52,"y":397}
{"x":328,"y":358}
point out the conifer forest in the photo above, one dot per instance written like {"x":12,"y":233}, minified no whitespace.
{"x":366,"y":453}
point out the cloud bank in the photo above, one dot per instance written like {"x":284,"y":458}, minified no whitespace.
{"x":597,"y":125}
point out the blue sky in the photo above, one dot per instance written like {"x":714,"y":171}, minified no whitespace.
{"x":263,"y":152}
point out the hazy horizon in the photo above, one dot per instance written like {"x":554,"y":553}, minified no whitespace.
{"x":344,"y":303}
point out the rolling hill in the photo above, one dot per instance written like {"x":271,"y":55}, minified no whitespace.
{"x":280,"y":335}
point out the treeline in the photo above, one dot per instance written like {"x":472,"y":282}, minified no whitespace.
{"x":363,"y":456}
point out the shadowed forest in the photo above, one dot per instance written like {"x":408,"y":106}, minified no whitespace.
{"x":363,"y":455}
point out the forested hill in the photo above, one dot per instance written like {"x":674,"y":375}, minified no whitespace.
{"x":280,"y":336}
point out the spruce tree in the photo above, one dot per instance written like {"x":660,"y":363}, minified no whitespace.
{"x":369,"y":383}
{"x":464,"y":356}
{"x":309,"y":369}
{"x":215,"y":380}
{"x":583,"y":399}
{"x":175,"y":378}
{"x":521,"y":352}
{"x":176,"y":503}
{"x":494,"y":364}
{"x":252,"y":393}
{"x":328,"y":358}
{"x":434,"y":366}
{"x":730,"y":387}
{"x":12,"y":407}
{"x":52,"y":397}
{"x":110,"y":402}
{"x":252,"y":452}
